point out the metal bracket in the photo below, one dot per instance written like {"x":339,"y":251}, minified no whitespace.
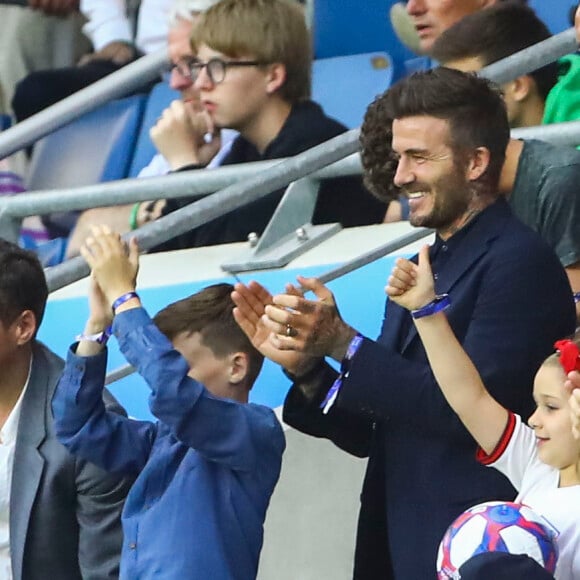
{"x":289,"y":232}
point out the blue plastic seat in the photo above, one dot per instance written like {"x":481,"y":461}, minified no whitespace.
{"x":346,"y":85}
{"x":94,"y":148}
{"x":159,"y":99}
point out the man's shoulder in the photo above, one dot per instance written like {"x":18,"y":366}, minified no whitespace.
{"x":540,"y":156}
{"x":508,"y":236}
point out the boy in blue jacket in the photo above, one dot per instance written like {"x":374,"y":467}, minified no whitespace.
{"x":207,"y":468}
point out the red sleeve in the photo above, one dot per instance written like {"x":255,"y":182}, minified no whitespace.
{"x":503,"y":442}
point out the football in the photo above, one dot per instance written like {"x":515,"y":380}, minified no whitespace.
{"x":497,"y":527}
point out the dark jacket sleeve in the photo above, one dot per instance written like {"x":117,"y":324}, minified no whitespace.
{"x":100,"y":501}
{"x":350,"y":431}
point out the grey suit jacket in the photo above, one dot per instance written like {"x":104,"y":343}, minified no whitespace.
{"x":65,"y":514}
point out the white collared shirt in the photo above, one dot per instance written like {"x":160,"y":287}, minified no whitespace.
{"x":7,"y":446}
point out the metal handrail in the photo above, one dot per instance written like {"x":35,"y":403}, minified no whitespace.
{"x":280,"y":174}
{"x":258,"y":186}
{"x":222,"y":202}
{"x":201,"y":183}
{"x":147,"y":68}
{"x":175,"y":185}
{"x":532,"y":58}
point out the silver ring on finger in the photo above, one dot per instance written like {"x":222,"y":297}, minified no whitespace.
{"x":290,"y":332}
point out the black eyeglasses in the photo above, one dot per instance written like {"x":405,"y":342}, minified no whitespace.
{"x":216,"y":68}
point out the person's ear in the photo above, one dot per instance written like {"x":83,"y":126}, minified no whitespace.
{"x":239,"y":363}
{"x":276,"y":77}
{"x":520,"y":88}
{"x":478,"y":163}
{"x":24,"y":327}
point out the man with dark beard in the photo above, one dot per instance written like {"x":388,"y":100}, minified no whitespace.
{"x":507,"y":299}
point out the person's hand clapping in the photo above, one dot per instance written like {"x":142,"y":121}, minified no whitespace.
{"x":113,"y":265}
{"x":251,"y":301}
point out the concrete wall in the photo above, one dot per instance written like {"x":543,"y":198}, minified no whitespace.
{"x":311,"y":524}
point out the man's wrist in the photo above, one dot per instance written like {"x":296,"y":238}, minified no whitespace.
{"x":345,"y":336}
{"x":302,"y":372}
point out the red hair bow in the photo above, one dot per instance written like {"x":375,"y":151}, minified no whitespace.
{"x":569,"y":355}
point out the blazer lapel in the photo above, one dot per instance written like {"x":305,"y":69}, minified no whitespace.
{"x":471,"y":249}
{"x":28,"y":462}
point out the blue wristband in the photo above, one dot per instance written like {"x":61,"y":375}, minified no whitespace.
{"x":332,"y":394}
{"x":124,"y":298}
{"x":99,"y":337}
{"x":438,"y":304}
{"x":576,"y":297}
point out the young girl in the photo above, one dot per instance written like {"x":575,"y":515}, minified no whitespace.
{"x":542,"y":461}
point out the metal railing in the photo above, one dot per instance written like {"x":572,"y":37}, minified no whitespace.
{"x":256,"y":183}
{"x":222,"y":202}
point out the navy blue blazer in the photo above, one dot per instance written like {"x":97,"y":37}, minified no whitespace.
{"x":510,"y":300}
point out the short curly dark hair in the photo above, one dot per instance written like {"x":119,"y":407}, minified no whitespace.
{"x":473,"y":106}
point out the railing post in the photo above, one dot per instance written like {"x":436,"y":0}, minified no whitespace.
{"x":9,"y":226}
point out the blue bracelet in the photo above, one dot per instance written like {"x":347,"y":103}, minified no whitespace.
{"x":332,"y":394}
{"x":576,"y":297}
{"x":99,"y":337}
{"x":438,"y":304}
{"x":124,"y":298}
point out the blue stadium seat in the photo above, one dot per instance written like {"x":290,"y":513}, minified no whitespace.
{"x":5,"y":122}
{"x":554,"y":13}
{"x":354,"y":27}
{"x":94,"y":148}
{"x":346,"y":85}
{"x":159,"y":98}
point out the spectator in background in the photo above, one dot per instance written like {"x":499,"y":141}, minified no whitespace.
{"x":252,"y":72}
{"x":207,"y":467}
{"x":178,"y":134}
{"x":490,"y":35}
{"x":253,"y":76}
{"x":110,"y":30}
{"x":37,"y":35}
{"x":432,"y":17}
{"x":510,"y":300}
{"x":60,"y":517}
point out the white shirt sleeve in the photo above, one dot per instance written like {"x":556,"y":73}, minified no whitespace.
{"x":517,"y":452}
{"x":107,"y":22}
{"x":152,"y":25}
